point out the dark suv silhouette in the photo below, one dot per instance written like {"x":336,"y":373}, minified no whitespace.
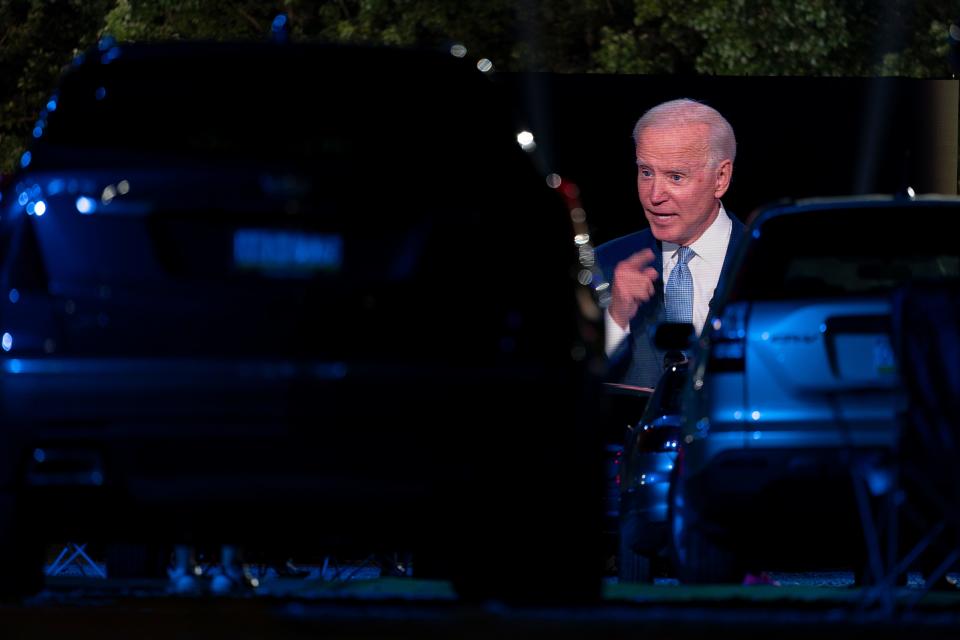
{"x":294,"y":297}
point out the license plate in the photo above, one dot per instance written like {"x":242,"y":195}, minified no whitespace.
{"x":286,"y":252}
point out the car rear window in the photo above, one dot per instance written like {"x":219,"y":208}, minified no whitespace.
{"x":348,"y":165}
{"x":836,"y":253}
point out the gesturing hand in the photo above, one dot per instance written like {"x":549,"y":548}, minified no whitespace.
{"x":632,"y":286}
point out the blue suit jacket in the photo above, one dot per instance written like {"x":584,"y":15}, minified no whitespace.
{"x":637,"y":361}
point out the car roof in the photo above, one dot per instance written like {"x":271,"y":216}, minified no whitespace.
{"x":286,"y":104}
{"x":792,"y":207}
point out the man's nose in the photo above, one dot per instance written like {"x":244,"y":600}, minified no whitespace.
{"x":657,"y":191}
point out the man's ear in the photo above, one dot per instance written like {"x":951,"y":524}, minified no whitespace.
{"x":724,"y":174}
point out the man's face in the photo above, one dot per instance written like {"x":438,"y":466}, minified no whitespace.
{"x":678,"y":189}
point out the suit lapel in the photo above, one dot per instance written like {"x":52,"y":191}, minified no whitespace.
{"x":736,"y":237}
{"x":659,"y":306}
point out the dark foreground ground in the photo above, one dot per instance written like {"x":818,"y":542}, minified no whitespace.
{"x":357,"y":604}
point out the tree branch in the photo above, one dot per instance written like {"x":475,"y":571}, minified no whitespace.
{"x":251,"y":20}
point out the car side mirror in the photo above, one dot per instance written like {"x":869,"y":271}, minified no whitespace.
{"x":673,"y":336}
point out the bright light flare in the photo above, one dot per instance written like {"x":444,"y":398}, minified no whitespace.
{"x":526,"y":141}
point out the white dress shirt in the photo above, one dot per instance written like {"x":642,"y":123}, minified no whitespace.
{"x":709,"y":251}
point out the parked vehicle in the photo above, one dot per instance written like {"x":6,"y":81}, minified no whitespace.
{"x":650,"y":451}
{"x":794,"y":394}
{"x":620,"y":408}
{"x":294,"y":297}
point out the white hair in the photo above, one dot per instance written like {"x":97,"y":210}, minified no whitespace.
{"x":684,"y":111}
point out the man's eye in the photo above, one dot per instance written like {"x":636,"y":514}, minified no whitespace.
{"x":676,"y":177}
{"x":646,"y":173}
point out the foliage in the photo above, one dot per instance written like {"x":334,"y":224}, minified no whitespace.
{"x":145,"y":20}
{"x":718,"y":37}
{"x":780,"y":37}
{"x":37,"y":38}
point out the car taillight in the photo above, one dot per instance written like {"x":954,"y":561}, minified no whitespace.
{"x":728,"y":334}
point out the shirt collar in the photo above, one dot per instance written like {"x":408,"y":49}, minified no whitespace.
{"x":711,"y":247}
